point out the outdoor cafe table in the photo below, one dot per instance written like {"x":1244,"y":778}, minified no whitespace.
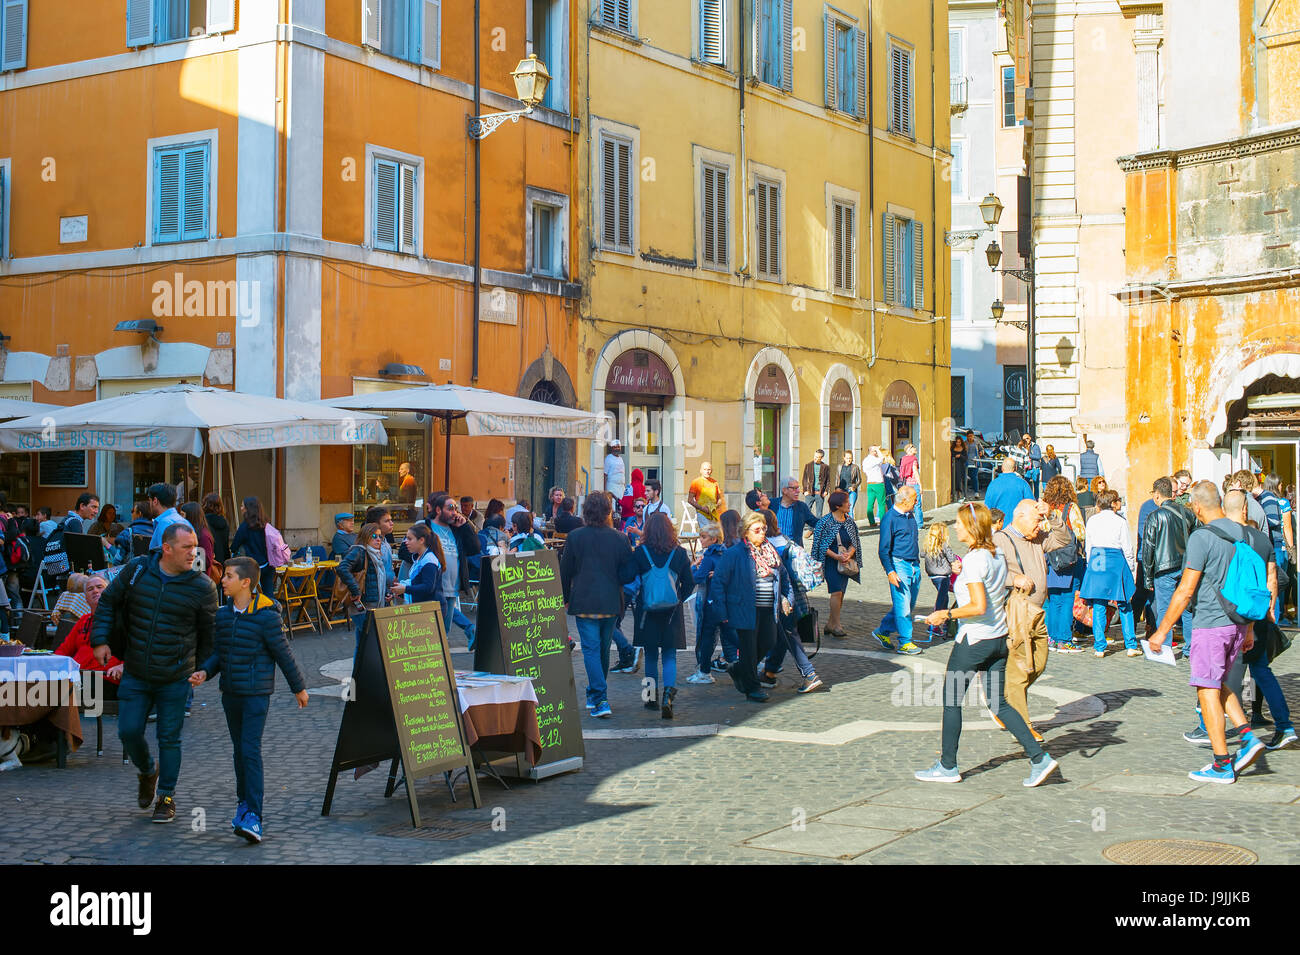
{"x":42,"y":686}
{"x":500,"y":713}
{"x":298,"y":590}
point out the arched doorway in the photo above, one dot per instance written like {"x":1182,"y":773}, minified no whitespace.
{"x":900,"y":412}
{"x":841,"y":414}
{"x":543,"y":463}
{"x":1264,"y":428}
{"x":771,"y":430}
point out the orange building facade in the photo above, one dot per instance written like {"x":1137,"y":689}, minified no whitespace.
{"x":287,"y":190}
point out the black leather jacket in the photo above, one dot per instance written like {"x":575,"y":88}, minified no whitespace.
{"x":1164,"y":540}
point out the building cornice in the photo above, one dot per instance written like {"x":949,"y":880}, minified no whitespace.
{"x":1140,"y":293}
{"x":1285,"y":137}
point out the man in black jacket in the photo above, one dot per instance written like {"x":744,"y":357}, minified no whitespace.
{"x":459,"y":544}
{"x":166,"y":612}
{"x":1164,"y":544}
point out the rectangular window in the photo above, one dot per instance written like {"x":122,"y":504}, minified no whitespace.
{"x":548,"y":44}
{"x":958,"y":411}
{"x":956,"y":54}
{"x":1014,"y":404}
{"x":546,"y":258}
{"x":1013,"y":290}
{"x":170,"y":21}
{"x":844,"y":247}
{"x":180,"y":193}
{"x":408,"y":30}
{"x":767,"y":224}
{"x":13,"y":34}
{"x":713,"y":31}
{"x":959,"y":168}
{"x":616,"y":194}
{"x":846,"y":67}
{"x":396,"y":206}
{"x":1008,"y":96}
{"x":616,"y":14}
{"x":715,"y":225}
{"x":900,"y":90}
{"x":959,"y":311}
{"x":4,"y":211}
{"x":773,"y":42}
{"x":904,"y":261}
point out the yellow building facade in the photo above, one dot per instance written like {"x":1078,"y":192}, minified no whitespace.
{"x":764,"y":202}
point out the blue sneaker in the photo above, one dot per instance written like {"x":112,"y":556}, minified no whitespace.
{"x":1209,"y":774}
{"x":938,"y":774}
{"x":1039,"y":770}
{"x":250,"y":827}
{"x":602,"y":709}
{"x":1282,"y":739}
{"x":887,"y":642}
{"x":239,"y":814}
{"x":1251,"y":747}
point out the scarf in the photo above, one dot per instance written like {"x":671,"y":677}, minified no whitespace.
{"x":376,"y":557}
{"x":765,"y":558}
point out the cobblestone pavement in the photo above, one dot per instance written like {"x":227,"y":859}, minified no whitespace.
{"x":815,"y":778}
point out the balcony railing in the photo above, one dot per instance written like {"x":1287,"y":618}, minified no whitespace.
{"x":958,"y":96}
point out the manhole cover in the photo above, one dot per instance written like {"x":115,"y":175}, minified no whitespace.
{"x":1178,"y":852}
{"x":447,"y":829}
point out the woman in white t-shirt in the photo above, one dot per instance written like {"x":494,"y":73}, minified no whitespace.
{"x":980,"y":648}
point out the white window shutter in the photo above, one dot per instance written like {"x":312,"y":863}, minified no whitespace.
{"x":907,"y":93}
{"x":860,"y":45}
{"x":706,"y":209}
{"x":956,"y":57}
{"x":889,"y":258}
{"x":850,"y":248}
{"x":385,"y":236}
{"x":625,"y":197}
{"x":774,"y":229}
{"x":371,"y":28}
{"x":431,"y":35}
{"x":720,"y":199}
{"x":609,"y":193}
{"x":829,"y":47}
{"x":918,"y":265}
{"x":760,"y":226}
{"x":221,"y":16}
{"x":713,"y":32}
{"x":409,"y":210}
{"x":787,"y":47}
{"x":13,"y":28}
{"x":139,"y":22}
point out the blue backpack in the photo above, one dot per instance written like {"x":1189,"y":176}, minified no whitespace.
{"x":1244,"y":596}
{"x":659,"y":585}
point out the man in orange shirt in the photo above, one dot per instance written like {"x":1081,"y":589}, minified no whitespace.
{"x":706,"y":494}
{"x":406,"y":490}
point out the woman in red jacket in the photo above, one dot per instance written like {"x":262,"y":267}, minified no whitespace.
{"x":77,"y":643}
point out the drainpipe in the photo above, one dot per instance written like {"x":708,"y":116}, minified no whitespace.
{"x":744,"y":170}
{"x":478,"y":189}
{"x":871,"y":174}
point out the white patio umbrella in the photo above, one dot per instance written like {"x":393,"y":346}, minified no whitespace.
{"x":481,"y":412}
{"x":175,"y":418}
{"x":16,"y":408}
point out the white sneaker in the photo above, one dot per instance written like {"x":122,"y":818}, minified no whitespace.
{"x":10,"y":762}
{"x":699,"y":678}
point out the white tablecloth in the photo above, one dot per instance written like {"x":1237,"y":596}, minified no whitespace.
{"x":493,"y":688}
{"x":39,"y":667}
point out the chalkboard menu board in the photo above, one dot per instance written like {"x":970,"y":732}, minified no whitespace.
{"x":403,"y":703}
{"x":62,"y":469}
{"x":522,"y":631}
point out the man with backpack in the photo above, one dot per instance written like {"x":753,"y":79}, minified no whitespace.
{"x":1225,"y":582}
{"x":160,"y":613}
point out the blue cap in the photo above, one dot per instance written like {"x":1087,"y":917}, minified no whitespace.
{"x":343,"y":516}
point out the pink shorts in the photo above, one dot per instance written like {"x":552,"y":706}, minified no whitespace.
{"x":1213,"y":651}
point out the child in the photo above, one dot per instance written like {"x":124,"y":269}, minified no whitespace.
{"x":247,"y":642}
{"x":998,"y":519}
{"x":711,"y":550}
{"x":941,"y":564}
{"x":525,"y":539}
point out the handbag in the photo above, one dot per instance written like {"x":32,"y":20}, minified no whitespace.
{"x":1279,"y":641}
{"x":850,"y":567}
{"x":340,"y":596}
{"x":1083,"y":612}
{"x":1066,"y":552}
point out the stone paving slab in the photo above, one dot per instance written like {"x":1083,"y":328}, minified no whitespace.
{"x":1242,"y":791}
{"x":883,"y":817}
{"x":823,"y":839}
{"x":1145,"y":785}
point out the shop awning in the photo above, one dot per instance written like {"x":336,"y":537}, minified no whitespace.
{"x":482,"y":412}
{"x":175,"y":418}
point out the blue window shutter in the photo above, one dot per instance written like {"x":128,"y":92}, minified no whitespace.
{"x":13,"y":35}
{"x":431,"y":34}
{"x":385,"y":200}
{"x":194,"y":170}
{"x":167,"y":195}
{"x":139,"y":22}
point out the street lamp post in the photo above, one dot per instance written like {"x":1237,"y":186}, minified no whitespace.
{"x":991,"y":210}
{"x":531,"y":80}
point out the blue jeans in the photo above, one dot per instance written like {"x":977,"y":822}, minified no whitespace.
{"x":246,"y":718}
{"x":941,"y":587}
{"x":1162,"y":592}
{"x":1263,"y":676}
{"x":705,"y":642}
{"x":135,"y":698}
{"x":1282,"y":558}
{"x":916,"y":511}
{"x":595,"y":634}
{"x":1060,"y":615}
{"x":853,"y":502}
{"x":1125,"y":623}
{"x":453,"y":615}
{"x":620,"y":641}
{"x":899,"y":619}
{"x":670,"y":666}
{"x":787,"y":639}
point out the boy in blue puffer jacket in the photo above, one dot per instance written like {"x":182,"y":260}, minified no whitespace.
{"x":708,"y":619}
{"x":248,"y":641}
